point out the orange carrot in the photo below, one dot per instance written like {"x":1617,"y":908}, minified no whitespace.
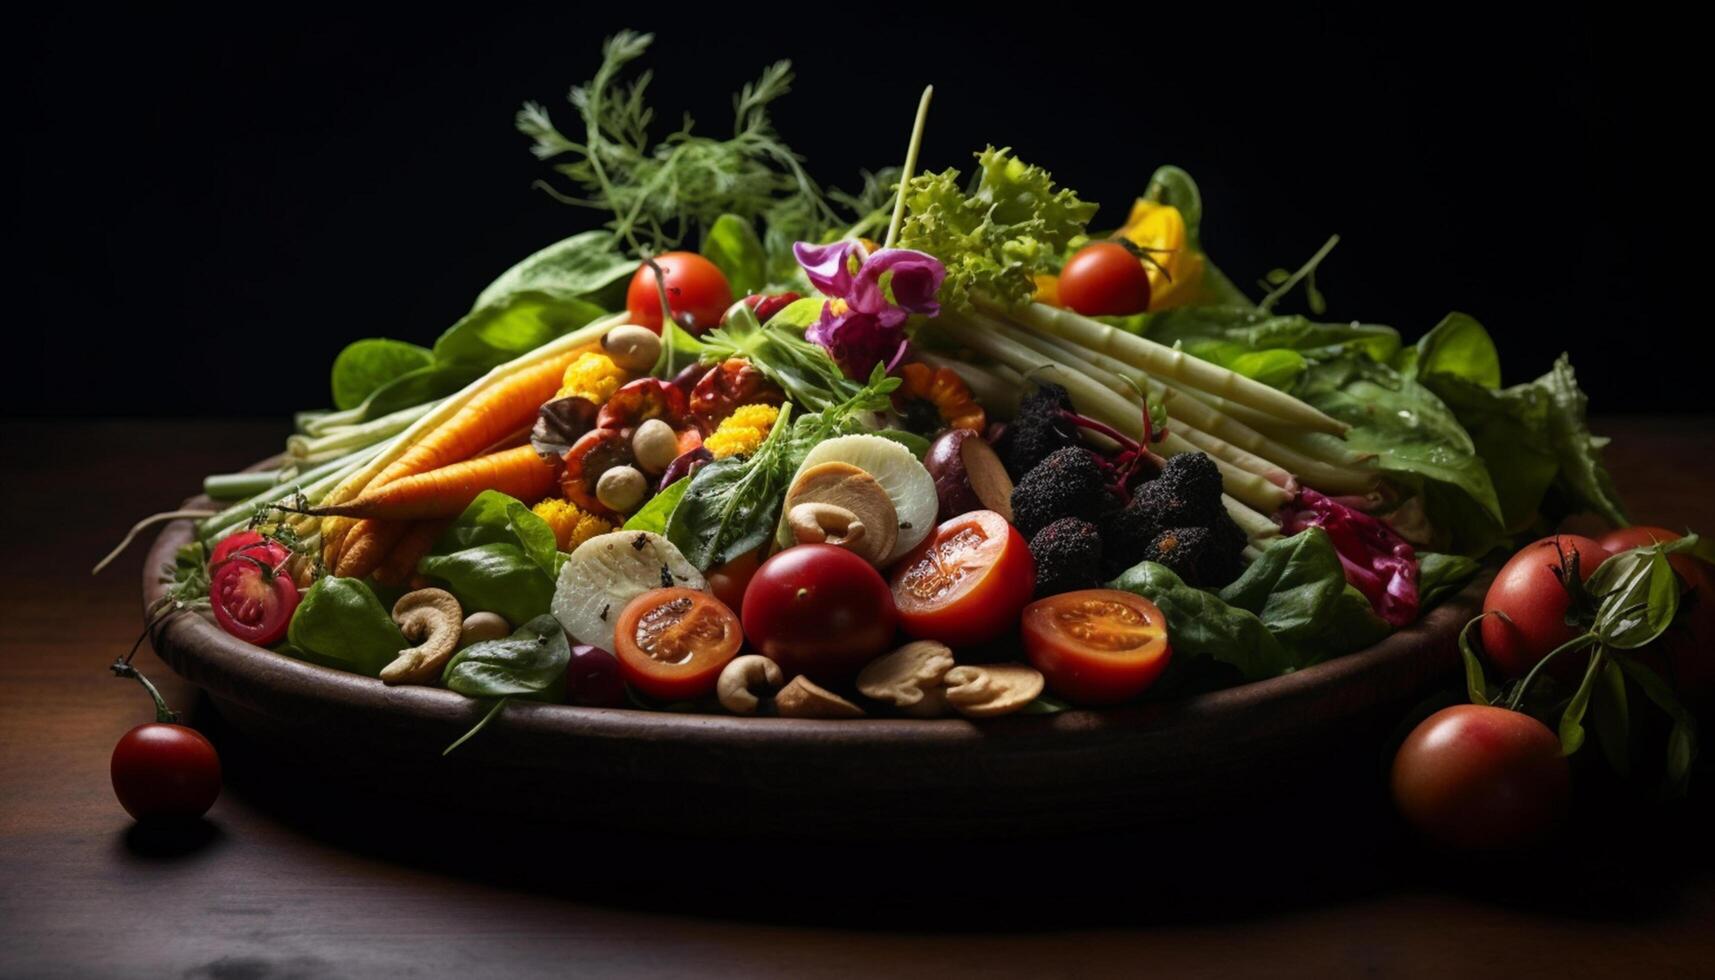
{"x":449,"y":490}
{"x":401,"y":562}
{"x":492,"y":415}
{"x":366,"y":546}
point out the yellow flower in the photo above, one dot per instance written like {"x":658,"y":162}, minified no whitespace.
{"x":572,"y":526}
{"x":742,"y":431}
{"x":1159,"y":229}
{"x":593,"y":376}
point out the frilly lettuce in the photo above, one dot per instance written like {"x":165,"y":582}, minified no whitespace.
{"x":995,"y":239}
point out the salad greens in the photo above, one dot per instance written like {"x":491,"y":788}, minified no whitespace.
{"x":1290,"y":609}
{"x":340,"y":623}
{"x":1013,"y":224}
{"x":498,"y":557}
{"x":531,"y":663}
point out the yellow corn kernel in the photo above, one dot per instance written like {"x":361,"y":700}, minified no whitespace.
{"x":593,"y":376}
{"x":572,"y":526}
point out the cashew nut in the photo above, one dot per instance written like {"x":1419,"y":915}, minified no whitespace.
{"x":817,"y":523}
{"x":482,"y":626}
{"x":993,"y":689}
{"x":746,"y":681}
{"x":632,"y":347}
{"x":803,"y":698}
{"x":849,"y":508}
{"x":621,"y":488}
{"x":432,"y":619}
{"x":654,"y":445}
{"x":909,"y":678}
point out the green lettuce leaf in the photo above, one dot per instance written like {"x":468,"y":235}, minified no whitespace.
{"x":994,"y":240}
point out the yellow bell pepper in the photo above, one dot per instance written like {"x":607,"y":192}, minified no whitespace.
{"x":1177,"y":269}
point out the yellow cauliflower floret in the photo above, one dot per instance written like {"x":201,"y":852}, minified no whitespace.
{"x":593,"y":376}
{"x":742,"y":431}
{"x":572,"y":526}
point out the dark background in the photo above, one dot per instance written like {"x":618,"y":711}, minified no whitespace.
{"x":209,"y":208}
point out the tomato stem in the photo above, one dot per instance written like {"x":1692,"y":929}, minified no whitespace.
{"x":1576,"y":643}
{"x":163,"y":714}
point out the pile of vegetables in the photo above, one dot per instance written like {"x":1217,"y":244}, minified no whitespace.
{"x":999,"y":460}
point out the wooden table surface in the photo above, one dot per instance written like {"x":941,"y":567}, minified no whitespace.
{"x":292,"y":877}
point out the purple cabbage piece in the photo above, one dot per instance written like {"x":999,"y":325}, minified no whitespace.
{"x":1377,"y":561}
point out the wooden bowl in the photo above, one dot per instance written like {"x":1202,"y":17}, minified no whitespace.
{"x":1074,"y":771}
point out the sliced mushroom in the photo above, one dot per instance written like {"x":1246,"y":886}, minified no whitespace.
{"x":480,"y":627}
{"x":842,"y":489}
{"x":909,"y":678}
{"x":804,"y":699}
{"x":432,"y":619}
{"x":993,"y":689}
{"x":745,"y":681}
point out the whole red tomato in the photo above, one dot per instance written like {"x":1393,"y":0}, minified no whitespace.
{"x":1531,"y":595}
{"x":819,"y":610}
{"x":697,"y":293}
{"x":729,"y":581}
{"x":164,"y":771}
{"x":1481,"y":778}
{"x":1690,"y":643}
{"x":1104,"y":279}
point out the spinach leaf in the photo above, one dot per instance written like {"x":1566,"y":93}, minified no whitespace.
{"x":497,"y":578}
{"x":731,"y":244}
{"x":1439,"y":576}
{"x":529,"y":663}
{"x":653,"y":516}
{"x":1299,"y":591}
{"x":510,"y":326}
{"x":586,"y":266}
{"x":497,"y":556}
{"x":1202,"y":626}
{"x":732,"y":504}
{"x":341,"y":624}
{"x":368,"y":364}
{"x":1458,"y":347}
{"x":1534,"y":438}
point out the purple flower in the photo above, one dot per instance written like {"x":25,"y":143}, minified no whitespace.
{"x":871,"y":296}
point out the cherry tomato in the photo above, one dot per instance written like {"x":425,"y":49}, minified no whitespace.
{"x":765,"y":306}
{"x":163,"y":771}
{"x":593,"y":678}
{"x":252,"y":600}
{"x":965,"y":584}
{"x":1479,"y":777}
{"x":819,"y":610}
{"x":697,"y":293}
{"x":1529,"y":592}
{"x":729,"y":581}
{"x":1690,"y":642}
{"x":1104,"y":279}
{"x":1096,"y":646}
{"x":673,"y":643}
{"x":251,"y":543}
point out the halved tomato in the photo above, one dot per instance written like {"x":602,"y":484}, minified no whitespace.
{"x":250,"y":543}
{"x":673,"y":643}
{"x":252,"y":599}
{"x":1096,"y":646}
{"x":965,"y":584}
